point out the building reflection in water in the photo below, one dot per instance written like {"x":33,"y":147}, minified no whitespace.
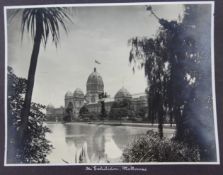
{"x":94,"y":143}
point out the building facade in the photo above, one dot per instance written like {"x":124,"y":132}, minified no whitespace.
{"x":54,"y":114}
{"x":94,"y":87}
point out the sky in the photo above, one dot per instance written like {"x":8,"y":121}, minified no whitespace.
{"x":95,"y":33}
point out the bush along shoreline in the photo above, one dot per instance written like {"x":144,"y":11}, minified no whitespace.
{"x":150,"y":148}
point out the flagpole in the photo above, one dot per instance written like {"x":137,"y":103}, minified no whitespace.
{"x":96,"y":62}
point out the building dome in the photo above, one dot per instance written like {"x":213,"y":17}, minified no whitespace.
{"x":95,"y":83}
{"x":122,"y":94}
{"x":50,"y":109}
{"x":50,"y":106}
{"x":78,"y":93}
{"x":68,"y":95}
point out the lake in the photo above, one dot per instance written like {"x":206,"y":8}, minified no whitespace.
{"x":96,"y":143}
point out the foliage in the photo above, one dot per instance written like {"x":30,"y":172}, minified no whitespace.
{"x":198,"y":114}
{"x":118,"y":113}
{"x":121,"y":109}
{"x":48,"y":21}
{"x":93,"y":116}
{"x":86,"y":115}
{"x":150,"y":148}
{"x":153,"y":56}
{"x":36,"y":146}
{"x":102,"y":96}
{"x":141,"y":112}
{"x":83,"y":110}
{"x":103,"y":113}
{"x":67,"y":118}
{"x":68,"y":113}
{"x":178,"y":68}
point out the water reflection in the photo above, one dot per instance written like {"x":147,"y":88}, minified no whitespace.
{"x":81,"y":142}
{"x":96,"y":143}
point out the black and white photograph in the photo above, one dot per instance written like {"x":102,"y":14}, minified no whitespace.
{"x":110,"y":84}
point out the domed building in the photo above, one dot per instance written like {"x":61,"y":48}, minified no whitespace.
{"x":122,"y":94}
{"x":78,"y":93}
{"x":95,"y":86}
{"x":78,"y":101}
{"x":68,"y":97}
{"x":74,"y":101}
{"x":49,"y":109}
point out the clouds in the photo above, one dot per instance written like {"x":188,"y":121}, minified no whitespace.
{"x":96,"y":33}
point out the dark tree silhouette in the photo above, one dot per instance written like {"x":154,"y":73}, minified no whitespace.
{"x":68,"y":113}
{"x":120,"y":109}
{"x":83,"y":110}
{"x":177,"y":64}
{"x":103,"y":113}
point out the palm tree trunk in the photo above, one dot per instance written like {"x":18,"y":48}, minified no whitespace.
{"x":29,"y":89}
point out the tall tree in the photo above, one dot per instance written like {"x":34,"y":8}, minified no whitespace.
{"x":199,"y":111}
{"x":178,"y":68}
{"x":41,"y":23}
{"x":151,"y":54}
{"x":103,"y":113}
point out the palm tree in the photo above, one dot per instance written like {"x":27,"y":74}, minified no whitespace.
{"x":40,"y":23}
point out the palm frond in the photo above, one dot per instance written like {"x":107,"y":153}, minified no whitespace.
{"x":48,"y":21}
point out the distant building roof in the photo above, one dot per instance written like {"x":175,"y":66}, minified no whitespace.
{"x":68,"y":94}
{"x":78,"y":93}
{"x":123,"y":93}
{"x":50,"y":106}
{"x":139,"y":95}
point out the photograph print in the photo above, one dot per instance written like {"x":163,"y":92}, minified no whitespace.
{"x":106,"y":84}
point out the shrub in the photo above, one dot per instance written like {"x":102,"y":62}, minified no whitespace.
{"x":36,"y":145}
{"x":150,"y":148}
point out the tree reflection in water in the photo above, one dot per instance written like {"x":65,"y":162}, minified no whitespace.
{"x":100,"y":148}
{"x":91,"y":143}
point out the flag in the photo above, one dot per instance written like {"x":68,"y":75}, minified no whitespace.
{"x":97,"y":62}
